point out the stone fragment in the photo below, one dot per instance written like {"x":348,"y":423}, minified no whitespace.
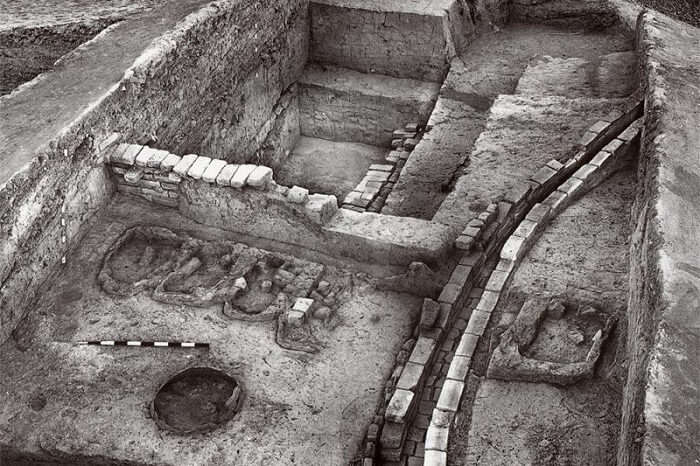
{"x":303,"y":304}
{"x":418,"y":280}
{"x":241,"y":283}
{"x":556,"y":309}
{"x":213,"y":170}
{"x":238,"y":180}
{"x":321,"y":207}
{"x":260,"y":178}
{"x":298,"y":195}
{"x":198,"y":167}
{"x":133,"y":175}
{"x":322,"y":313}
{"x":183,"y":166}
{"x":295,"y":319}
{"x":323,"y":287}
{"x":429,"y":313}
{"x":225,"y":175}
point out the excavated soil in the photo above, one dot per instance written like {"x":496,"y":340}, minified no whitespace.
{"x":82,"y":405}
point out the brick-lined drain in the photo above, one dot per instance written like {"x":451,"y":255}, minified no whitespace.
{"x":197,"y":400}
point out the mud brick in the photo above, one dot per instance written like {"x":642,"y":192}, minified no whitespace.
{"x":467,"y":345}
{"x":518,"y":193}
{"x":526,"y":229}
{"x":503,"y":211}
{"x":570,"y":186}
{"x":381,"y":167}
{"x":497,"y":281}
{"x":125,"y":188}
{"x":539,"y":213}
{"x":143,"y":157}
{"x":423,"y":351}
{"x":353,"y":208}
{"x":599,"y":126}
{"x":153,"y":185}
{"x":174,"y":177}
{"x":198,"y":167}
{"x":613,"y":146}
{"x":435,"y":458}
{"x":403,"y":157}
{"x":513,"y":250}
{"x":299,"y":195}
{"x":450,"y":293}
{"x":459,"y":367}
{"x":629,"y":134}
{"x":376,"y":175}
{"x":421,"y":421}
{"x":225,"y":175}
{"x":183,"y":166}
{"x":475,"y":259}
{"x":391,"y":454}
{"x":472,"y":231}
{"x":368,"y":462}
{"x":420,"y":450}
{"x":436,"y":438}
{"x":555,"y":165}
{"x":157,"y":158}
{"x":460,"y":275}
{"x":169,"y":162}
{"x":505,"y":265}
{"x":430,"y":311}
{"x":585,"y":171}
{"x":411,"y":377}
{"x":601,"y":158}
{"x":488,"y":302}
{"x":369,"y":194}
{"x":393,"y":157}
{"x":213,"y":170}
{"x":613,"y":115}
{"x":409,"y":447}
{"x":460,"y":324}
{"x":118,"y":170}
{"x":399,"y":406}
{"x":394,"y":176}
{"x":465,"y":243}
{"x":544,"y":175}
{"x":450,"y":396}
{"x":557,"y":201}
{"x":260,"y":178}
{"x":478,"y":322}
{"x":370,"y":449}
{"x":126,"y":154}
{"x":373,"y":432}
{"x":396,"y":143}
{"x":239,"y":178}
{"x":412,"y":127}
{"x":588,"y":139}
{"x":410,"y":143}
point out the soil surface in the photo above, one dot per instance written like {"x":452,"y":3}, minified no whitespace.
{"x":328,"y":167}
{"x":582,"y":256}
{"x":92,"y":402}
{"x":685,"y":10}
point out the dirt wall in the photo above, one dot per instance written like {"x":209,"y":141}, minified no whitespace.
{"x":180,"y":91}
{"x":661,"y":406}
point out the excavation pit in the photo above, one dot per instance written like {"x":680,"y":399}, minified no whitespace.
{"x":197,"y":400}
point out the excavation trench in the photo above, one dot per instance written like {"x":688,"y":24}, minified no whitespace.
{"x":319,"y":193}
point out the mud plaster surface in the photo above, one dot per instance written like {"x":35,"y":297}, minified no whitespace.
{"x":584,"y":254}
{"x":93,"y":401}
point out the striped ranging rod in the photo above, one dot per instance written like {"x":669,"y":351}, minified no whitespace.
{"x":147,"y":344}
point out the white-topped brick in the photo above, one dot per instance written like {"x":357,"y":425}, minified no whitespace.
{"x":260,"y":178}
{"x":239,"y":178}
{"x":169,"y":162}
{"x":157,"y":157}
{"x":143,"y":156}
{"x":213,"y":170}
{"x":225,"y":175}
{"x":183,"y":166}
{"x":199,"y":167}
